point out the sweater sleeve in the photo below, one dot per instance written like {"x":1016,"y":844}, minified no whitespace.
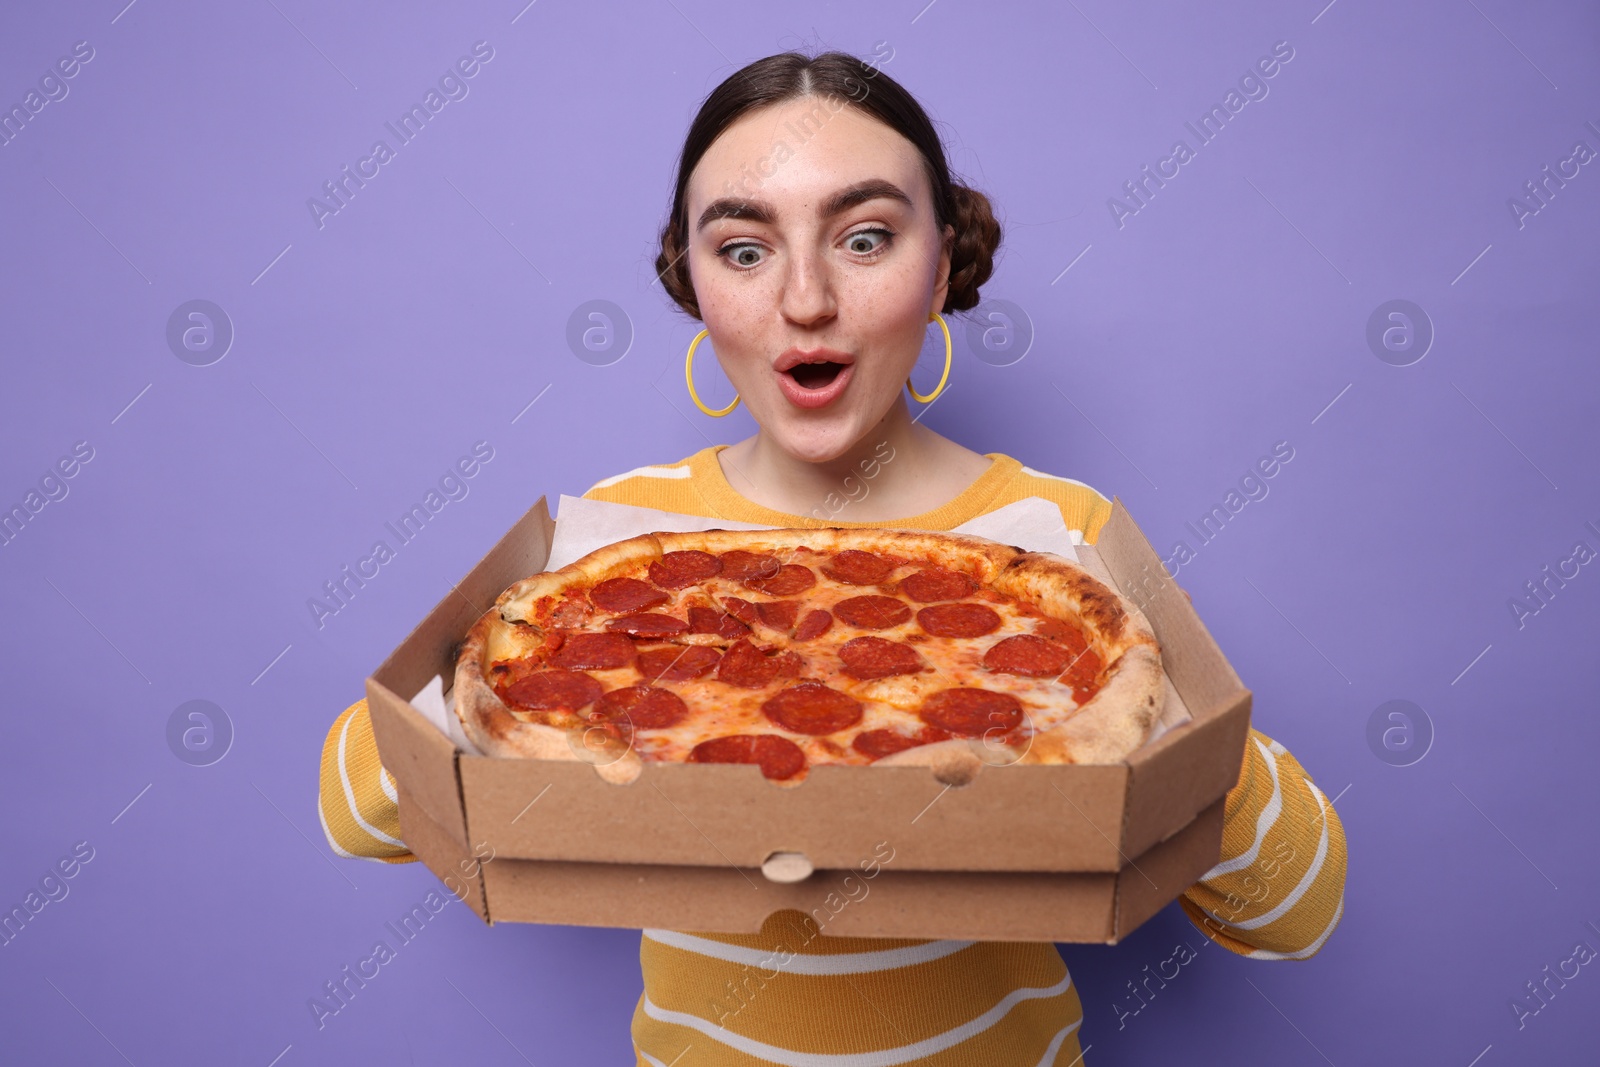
{"x":1280,"y":891}
{"x":357,"y":802}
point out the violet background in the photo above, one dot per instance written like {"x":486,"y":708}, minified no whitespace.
{"x":1227,"y":315}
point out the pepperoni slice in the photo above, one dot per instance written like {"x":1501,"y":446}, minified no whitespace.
{"x":742,"y":610}
{"x":1027,"y":655}
{"x":618,"y":595}
{"x":935,"y":584}
{"x":791,"y":578}
{"x":647,"y":624}
{"x":778,"y":614}
{"x":594,"y":652}
{"x":790,"y":664}
{"x":873,"y":612}
{"x":812,"y":708}
{"x":503,"y":672}
{"x":703,"y":620}
{"x":679,"y":570}
{"x":876,"y":744}
{"x":854,"y":567}
{"x":677,"y":664}
{"x":958,"y":620}
{"x":644,"y":707}
{"x":972,"y":712}
{"x":1065,"y":632}
{"x":741,"y":566}
{"x":778,"y":757}
{"x":748,"y":667}
{"x":1083,"y":672}
{"x":816,"y":623}
{"x":873,"y":657}
{"x":555,"y":688}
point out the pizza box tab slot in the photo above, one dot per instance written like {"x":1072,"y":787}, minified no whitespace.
{"x":1039,"y":852}
{"x":787,"y":867}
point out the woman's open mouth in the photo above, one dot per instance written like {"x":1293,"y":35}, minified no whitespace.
{"x":813,"y":379}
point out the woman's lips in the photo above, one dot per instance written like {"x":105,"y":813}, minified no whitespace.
{"x":797,"y":369}
{"x":801,"y":397}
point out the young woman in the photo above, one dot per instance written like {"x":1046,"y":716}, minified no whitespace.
{"x":816,"y":232}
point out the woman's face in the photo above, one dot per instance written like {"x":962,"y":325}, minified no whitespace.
{"x":816,"y":261}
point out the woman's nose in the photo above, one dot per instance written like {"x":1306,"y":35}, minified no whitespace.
{"x":808,"y":290}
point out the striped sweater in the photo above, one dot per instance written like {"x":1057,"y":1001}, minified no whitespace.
{"x":753,"y":999}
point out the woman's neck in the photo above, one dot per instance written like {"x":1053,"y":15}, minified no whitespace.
{"x":898,"y":470}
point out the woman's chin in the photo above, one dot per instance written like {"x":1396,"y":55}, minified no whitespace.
{"x":816,"y":443}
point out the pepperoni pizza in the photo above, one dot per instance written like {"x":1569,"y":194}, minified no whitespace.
{"x":792,"y":648}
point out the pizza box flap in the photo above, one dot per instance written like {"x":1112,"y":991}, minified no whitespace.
{"x":430,"y":648}
{"x":421,"y":759}
{"x":411,"y":748}
{"x":1189,"y":655}
{"x":443,"y":853}
{"x":1184,"y":770}
{"x":1160,"y":873}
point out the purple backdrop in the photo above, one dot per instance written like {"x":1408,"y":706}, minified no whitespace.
{"x":232,"y":456}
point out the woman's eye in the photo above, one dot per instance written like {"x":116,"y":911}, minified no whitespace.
{"x":860,"y":244}
{"x":741,"y":255}
{"x":865,"y":244}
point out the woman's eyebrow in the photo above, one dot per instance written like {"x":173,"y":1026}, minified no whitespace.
{"x":732,"y":207}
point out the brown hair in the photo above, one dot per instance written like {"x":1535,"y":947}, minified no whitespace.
{"x":869,"y":90}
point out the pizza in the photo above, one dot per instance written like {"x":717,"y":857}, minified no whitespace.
{"x":789,"y":649}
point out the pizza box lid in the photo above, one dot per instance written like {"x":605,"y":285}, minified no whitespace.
{"x":1017,"y":818}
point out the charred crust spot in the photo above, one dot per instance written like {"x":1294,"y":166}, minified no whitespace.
{"x":1100,"y":607}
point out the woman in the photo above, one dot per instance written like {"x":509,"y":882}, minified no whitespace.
{"x":816,"y":233}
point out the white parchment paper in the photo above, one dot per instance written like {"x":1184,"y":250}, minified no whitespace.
{"x":582,"y":526}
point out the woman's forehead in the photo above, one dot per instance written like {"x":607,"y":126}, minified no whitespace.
{"x":795,"y":155}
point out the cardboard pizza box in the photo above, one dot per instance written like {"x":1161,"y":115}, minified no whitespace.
{"x":1025,"y":852}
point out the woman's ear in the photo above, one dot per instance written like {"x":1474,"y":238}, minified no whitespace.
{"x":941,"y":289}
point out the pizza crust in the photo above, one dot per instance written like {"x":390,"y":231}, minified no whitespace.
{"x":1118,"y":718}
{"x":491,"y":726}
{"x":1106,"y":729}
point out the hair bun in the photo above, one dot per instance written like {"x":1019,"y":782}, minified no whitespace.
{"x":674,"y":272}
{"x":977,"y":237}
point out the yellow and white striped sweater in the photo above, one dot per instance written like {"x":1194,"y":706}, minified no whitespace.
{"x":793,"y":995}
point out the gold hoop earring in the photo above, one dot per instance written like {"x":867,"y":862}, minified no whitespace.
{"x":943,"y":378}
{"x":688,"y":376}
